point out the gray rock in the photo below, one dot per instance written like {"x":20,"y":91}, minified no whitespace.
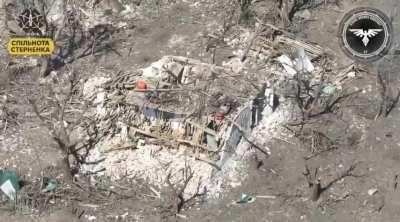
{"x":304,"y":14}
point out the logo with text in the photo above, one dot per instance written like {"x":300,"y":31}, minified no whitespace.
{"x":33,"y":44}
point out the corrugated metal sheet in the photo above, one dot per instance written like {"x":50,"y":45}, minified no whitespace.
{"x":242,"y":119}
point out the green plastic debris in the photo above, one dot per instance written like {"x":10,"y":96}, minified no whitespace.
{"x":211,"y":142}
{"x":329,"y":90}
{"x":245,"y":198}
{"x":49,"y":185}
{"x":9,"y":183}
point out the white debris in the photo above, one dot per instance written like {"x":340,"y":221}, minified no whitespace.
{"x":101,"y":110}
{"x":300,"y":64}
{"x":153,"y":164}
{"x":8,"y":189}
{"x":351,"y":74}
{"x":49,"y":79}
{"x":92,"y":86}
{"x":129,"y":12}
{"x":303,"y":62}
{"x":124,"y":215}
{"x":287,"y":64}
{"x":269,"y":97}
{"x":155,"y":72}
{"x":92,"y":89}
{"x":90,"y":217}
{"x":372,"y":191}
{"x":304,"y":14}
{"x":56,"y":13}
{"x":234,"y":64}
{"x":122,"y":25}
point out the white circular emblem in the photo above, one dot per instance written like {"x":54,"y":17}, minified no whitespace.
{"x":365,"y":34}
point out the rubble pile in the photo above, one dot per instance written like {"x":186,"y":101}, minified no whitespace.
{"x":180,"y":114}
{"x":176,"y":102}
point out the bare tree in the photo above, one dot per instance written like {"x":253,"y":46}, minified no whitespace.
{"x":58,"y":98}
{"x":176,"y":199}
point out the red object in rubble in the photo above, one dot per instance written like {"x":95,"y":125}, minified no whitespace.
{"x":141,"y":85}
{"x":219,"y":116}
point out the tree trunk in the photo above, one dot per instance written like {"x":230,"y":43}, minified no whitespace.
{"x":67,"y":169}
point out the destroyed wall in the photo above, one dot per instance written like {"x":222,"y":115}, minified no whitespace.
{"x":148,"y":145}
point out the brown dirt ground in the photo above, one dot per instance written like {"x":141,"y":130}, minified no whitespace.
{"x":372,"y":144}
